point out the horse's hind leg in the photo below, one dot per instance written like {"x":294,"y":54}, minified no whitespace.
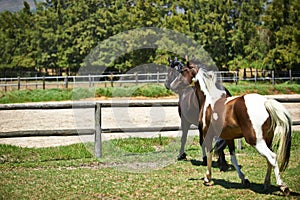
{"x":235,"y":163}
{"x":269,"y":168}
{"x":263,"y":149}
{"x":220,"y":146}
{"x":268,"y":176}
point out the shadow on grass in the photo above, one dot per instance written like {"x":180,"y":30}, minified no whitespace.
{"x":255,"y":187}
{"x":214,"y":164}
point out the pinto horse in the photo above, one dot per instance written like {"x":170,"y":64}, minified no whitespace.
{"x":259,"y":120}
{"x":188,"y":109}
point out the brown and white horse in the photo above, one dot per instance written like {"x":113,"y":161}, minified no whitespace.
{"x":259,"y":120}
{"x":188,"y":109}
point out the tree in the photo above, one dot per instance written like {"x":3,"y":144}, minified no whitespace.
{"x":60,"y":34}
{"x":282,"y":19}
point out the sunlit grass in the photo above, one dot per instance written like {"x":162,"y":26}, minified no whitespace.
{"x":262,"y":88}
{"x":71,"y":172}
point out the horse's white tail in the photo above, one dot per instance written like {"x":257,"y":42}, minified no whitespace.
{"x":281,"y":124}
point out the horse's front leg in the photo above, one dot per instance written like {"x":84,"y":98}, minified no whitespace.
{"x":207,"y":178}
{"x":204,"y":156}
{"x":185,"y":128}
{"x":208,"y":146}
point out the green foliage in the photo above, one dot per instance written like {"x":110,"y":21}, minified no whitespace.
{"x":154,"y":91}
{"x":22,"y":96}
{"x":149,"y":90}
{"x":59,"y":35}
{"x":83,"y":93}
{"x":262,"y":88}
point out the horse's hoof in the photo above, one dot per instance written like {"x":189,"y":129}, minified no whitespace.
{"x":204,"y":162}
{"x":181,"y":157}
{"x":266,"y":187}
{"x":246,"y":183}
{"x":207,"y":182}
{"x":285,"y":190}
{"x":224,"y":168}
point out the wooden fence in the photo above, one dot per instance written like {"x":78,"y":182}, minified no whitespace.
{"x":98,"y":130}
{"x":19,"y":83}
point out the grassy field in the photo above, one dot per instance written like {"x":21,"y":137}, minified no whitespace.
{"x":262,"y":88}
{"x":148,"y":90}
{"x":71,"y":172}
{"x":39,"y":95}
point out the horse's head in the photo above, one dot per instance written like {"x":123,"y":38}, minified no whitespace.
{"x":173,"y":71}
{"x":179,"y":75}
{"x":183,"y":80}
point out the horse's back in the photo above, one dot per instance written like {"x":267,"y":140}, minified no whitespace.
{"x":256,"y":109}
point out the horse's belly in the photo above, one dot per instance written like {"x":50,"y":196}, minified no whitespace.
{"x":230,"y":133}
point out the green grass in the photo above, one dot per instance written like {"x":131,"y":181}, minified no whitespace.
{"x":22,"y":96}
{"x":149,"y":90}
{"x":70,"y":172}
{"x":141,"y":145}
{"x":262,"y":88}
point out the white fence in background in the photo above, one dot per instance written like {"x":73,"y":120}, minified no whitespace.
{"x":44,"y":82}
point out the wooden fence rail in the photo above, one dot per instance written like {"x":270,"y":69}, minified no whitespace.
{"x":98,"y":130}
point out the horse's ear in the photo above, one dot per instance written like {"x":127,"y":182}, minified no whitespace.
{"x":193,"y":57}
{"x":187,"y":61}
{"x":171,"y":62}
{"x":187,"y":58}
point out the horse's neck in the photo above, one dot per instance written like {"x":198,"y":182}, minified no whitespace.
{"x":183,"y":94}
{"x":216,"y":94}
{"x":188,"y":97}
{"x":212,"y":94}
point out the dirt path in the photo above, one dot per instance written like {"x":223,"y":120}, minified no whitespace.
{"x":113,"y":117}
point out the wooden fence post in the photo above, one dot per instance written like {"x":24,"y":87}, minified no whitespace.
{"x":236,"y":76}
{"x":136,"y":78}
{"x":273,"y":77}
{"x":90,"y":81}
{"x":5,"y":87}
{"x":256,"y":73}
{"x":98,"y":130}
{"x":111,"y":80}
{"x":66,"y":81}
{"x":239,"y":144}
{"x":36,"y":82}
{"x":44,"y":83}
{"x":19,"y":83}
{"x":291,"y":78}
